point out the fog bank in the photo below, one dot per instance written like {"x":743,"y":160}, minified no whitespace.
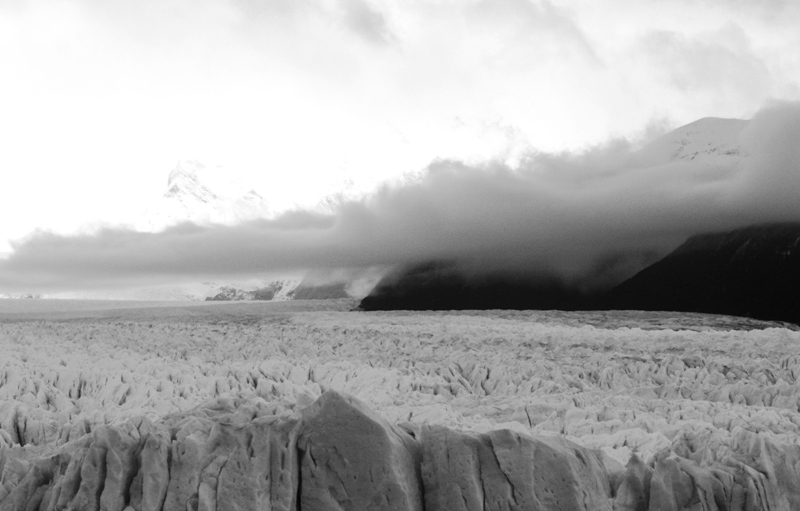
{"x":558,"y":214}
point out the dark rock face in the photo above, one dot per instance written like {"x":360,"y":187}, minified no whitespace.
{"x":321,"y":292}
{"x":265,"y":293}
{"x":230,"y":293}
{"x":301,"y":292}
{"x":752,"y":272}
{"x":441,"y":286}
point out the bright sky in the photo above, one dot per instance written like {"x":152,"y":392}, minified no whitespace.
{"x":100,"y":99}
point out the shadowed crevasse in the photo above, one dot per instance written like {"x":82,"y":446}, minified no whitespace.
{"x":336,"y":454}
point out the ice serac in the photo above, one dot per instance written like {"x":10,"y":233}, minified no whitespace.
{"x":505,"y":470}
{"x":227,"y":455}
{"x":351,"y":459}
{"x":336,"y":454}
{"x":633,"y":493}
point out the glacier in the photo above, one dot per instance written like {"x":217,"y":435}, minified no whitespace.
{"x":241,"y":405}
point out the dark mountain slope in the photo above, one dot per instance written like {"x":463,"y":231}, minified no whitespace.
{"x":752,"y":272}
{"x":441,"y":286}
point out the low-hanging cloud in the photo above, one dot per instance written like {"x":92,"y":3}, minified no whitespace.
{"x":556,"y":214}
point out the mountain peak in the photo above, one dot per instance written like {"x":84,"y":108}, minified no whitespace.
{"x":184,"y":177}
{"x":204,"y":194}
{"x":185,"y":168}
{"x":710,"y":141}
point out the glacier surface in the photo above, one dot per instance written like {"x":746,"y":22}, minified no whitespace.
{"x":289,"y":406}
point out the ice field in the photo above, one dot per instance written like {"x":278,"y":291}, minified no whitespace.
{"x":701,"y":408}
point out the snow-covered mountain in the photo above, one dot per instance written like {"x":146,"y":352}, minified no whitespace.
{"x":707,"y":147}
{"x":277,"y":288}
{"x":343,"y":192}
{"x":203,"y":194}
{"x":707,"y":142}
{"x":206,"y":194}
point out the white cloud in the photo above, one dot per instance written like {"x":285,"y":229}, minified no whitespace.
{"x":100,"y":99}
{"x":555,"y":213}
{"x":365,"y":20}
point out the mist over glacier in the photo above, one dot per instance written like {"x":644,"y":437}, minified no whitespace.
{"x":554,"y":214}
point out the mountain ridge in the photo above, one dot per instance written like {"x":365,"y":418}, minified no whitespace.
{"x":752,"y":272}
{"x":204,"y":195}
{"x":709,"y":141}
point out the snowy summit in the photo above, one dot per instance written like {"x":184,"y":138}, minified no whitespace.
{"x":204,"y":195}
{"x":708,"y":142}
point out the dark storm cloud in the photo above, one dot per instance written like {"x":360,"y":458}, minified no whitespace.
{"x":552,"y":213}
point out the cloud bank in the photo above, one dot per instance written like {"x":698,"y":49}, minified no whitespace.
{"x":100,"y":98}
{"x":553,"y":213}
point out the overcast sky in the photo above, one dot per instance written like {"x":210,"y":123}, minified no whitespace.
{"x":100,"y":99}
{"x":560,"y":215}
